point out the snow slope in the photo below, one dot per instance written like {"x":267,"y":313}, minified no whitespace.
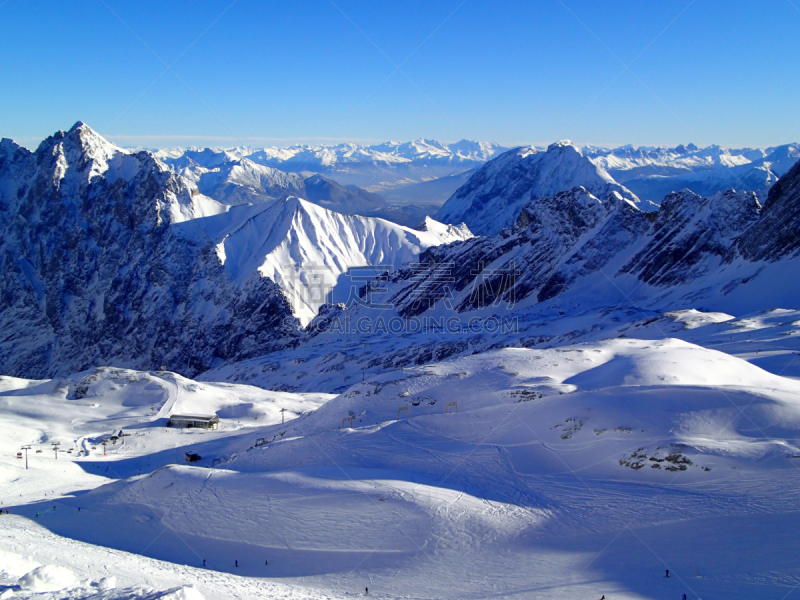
{"x":308,"y":250}
{"x":80,"y":411}
{"x":574,"y":471}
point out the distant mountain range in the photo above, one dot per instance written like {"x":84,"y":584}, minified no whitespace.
{"x":652,"y":173}
{"x":377,"y":168}
{"x":426,"y":172}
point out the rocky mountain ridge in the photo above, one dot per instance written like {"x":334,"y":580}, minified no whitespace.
{"x":98,"y":264}
{"x":576,"y":245}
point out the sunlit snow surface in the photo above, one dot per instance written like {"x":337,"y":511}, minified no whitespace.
{"x":567,"y":472}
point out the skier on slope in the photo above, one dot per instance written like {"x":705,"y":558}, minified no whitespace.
{"x":667,"y":575}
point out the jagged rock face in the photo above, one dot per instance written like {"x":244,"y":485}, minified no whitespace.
{"x":565,"y":239}
{"x":688,"y":230}
{"x":554,"y":241}
{"x":777,"y":233}
{"x":493,"y":197}
{"x":99,"y":264}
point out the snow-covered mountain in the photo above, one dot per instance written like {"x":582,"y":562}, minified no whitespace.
{"x":110,"y":256}
{"x":777,"y":233}
{"x":237,"y":180}
{"x":420,"y":152}
{"x":628,"y":162}
{"x":572,"y":268}
{"x":691,"y":235}
{"x":714,"y":249}
{"x":647,"y":393}
{"x":377,"y":168}
{"x":233,"y":180}
{"x":310,"y":251}
{"x":652,"y":173}
{"x":98,"y":263}
{"x":425,"y":171}
{"x":493,"y":197}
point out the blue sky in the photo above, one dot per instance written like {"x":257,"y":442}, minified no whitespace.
{"x":264,"y":73}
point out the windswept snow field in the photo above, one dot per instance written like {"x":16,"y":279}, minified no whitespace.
{"x":569,"y":472}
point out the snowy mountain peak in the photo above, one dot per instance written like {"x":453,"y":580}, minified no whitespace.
{"x":106,"y":263}
{"x":450,"y":232}
{"x":77,"y":156}
{"x":310,"y":252}
{"x":563,"y":144}
{"x":91,"y":142}
{"x":494,"y":196}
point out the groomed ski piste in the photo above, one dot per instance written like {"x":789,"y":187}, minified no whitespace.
{"x":579,"y":471}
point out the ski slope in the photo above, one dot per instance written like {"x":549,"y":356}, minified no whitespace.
{"x":577,"y":471}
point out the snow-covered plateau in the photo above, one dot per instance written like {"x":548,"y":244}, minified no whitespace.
{"x":576,"y":394}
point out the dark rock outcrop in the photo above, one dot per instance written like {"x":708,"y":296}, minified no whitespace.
{"x":777,"y":233}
